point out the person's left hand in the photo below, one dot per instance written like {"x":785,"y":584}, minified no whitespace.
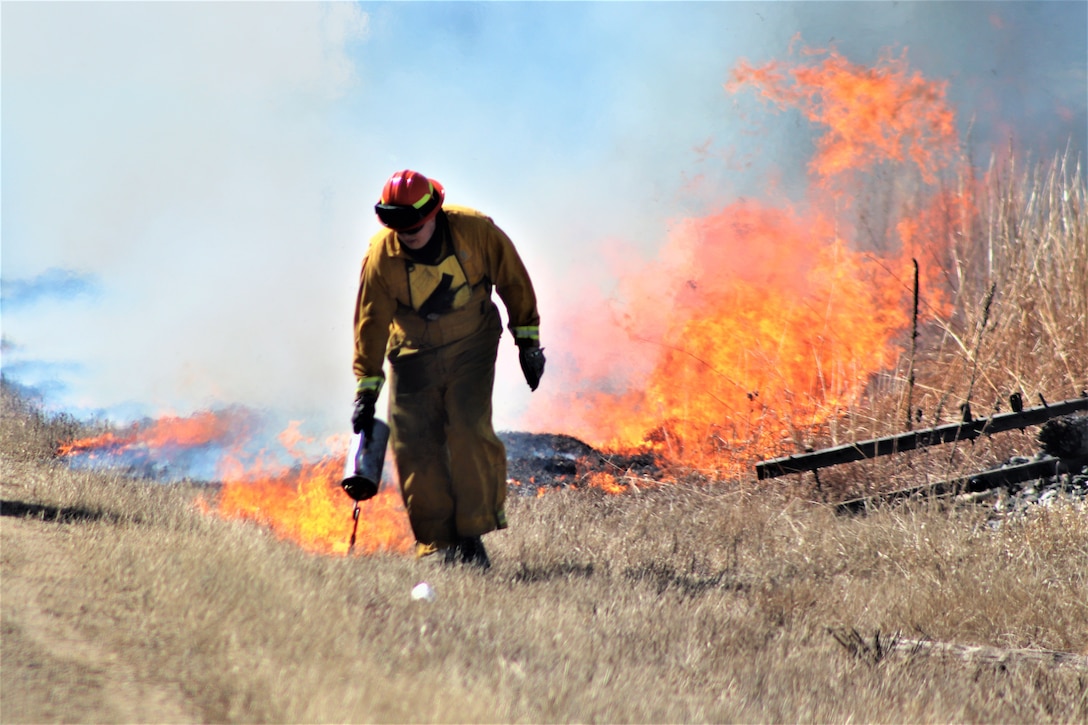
{"x":532,"y":361}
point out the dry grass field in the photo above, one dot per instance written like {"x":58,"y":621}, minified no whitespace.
{"x":122,"y":603}
{"x":685,"y":602}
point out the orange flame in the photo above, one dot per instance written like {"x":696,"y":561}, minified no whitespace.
{"x":870,"y":115}
{"x":606,"y":482}
{"x":196,"y":430}
{"x":757,"y":324}
{"x":306,"y":505}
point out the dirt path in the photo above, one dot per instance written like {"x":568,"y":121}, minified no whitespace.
{"x":51,"y":668}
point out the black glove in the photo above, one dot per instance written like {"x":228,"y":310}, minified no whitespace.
{"x":362,"y":419}
{"x":531,"y":358}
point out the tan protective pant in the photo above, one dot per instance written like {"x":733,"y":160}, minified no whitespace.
{"x":451,"y":465}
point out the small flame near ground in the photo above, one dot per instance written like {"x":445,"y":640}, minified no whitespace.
{"x":298,"y":499}
{"x":160,"y":435}
{"x":306,"y":505}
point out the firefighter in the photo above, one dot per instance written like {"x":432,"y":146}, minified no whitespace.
{"x":425,"y":303}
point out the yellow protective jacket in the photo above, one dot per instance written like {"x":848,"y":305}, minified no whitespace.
{"x":392,"y":319}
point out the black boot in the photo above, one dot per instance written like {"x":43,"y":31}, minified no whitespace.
{"x":473,"y":552}
{"x":451,"y":554}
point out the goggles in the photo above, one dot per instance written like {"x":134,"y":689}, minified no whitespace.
{"x":407,"y":218}
{"x":401,"y":218}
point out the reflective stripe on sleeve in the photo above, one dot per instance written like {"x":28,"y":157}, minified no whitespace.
{"x":374,"y":383}
{"x":528,"y":332}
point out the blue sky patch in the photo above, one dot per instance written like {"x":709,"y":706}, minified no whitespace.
{"x":53,"y":283}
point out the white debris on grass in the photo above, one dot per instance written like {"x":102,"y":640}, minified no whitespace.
{"x":423,"y":592}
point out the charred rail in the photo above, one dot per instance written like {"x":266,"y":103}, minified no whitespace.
{"x":967,"y":430}
{"x":1046,"y":467}
{"x":879,"y":647}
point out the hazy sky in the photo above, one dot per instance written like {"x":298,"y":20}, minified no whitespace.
{"x":188,"y":188}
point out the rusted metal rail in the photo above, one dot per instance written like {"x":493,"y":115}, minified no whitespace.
{"x":879,"y":647}
{"x":873,"y":448}
{"x":1045,"y":467}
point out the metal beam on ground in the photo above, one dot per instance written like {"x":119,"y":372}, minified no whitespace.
{"x":967,"y":430}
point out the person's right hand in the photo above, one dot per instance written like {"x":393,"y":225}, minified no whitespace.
{"x":362,"y":418}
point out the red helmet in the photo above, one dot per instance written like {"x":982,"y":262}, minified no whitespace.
{"x":409,"y":200}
